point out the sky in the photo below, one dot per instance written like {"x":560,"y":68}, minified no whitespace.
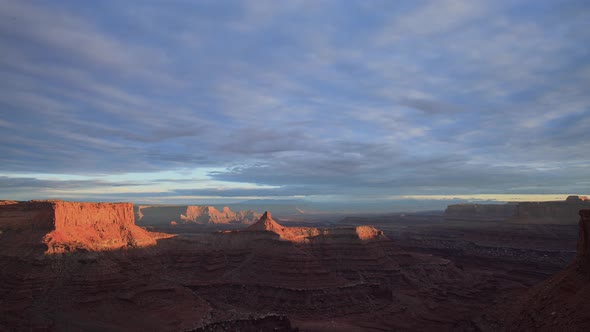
{"x":324,"y":101}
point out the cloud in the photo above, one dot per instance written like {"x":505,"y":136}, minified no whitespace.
{"x":363,"y":99}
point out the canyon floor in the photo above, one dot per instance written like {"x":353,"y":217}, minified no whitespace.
{"x":415,"y":272}
{"x":497,"y":262}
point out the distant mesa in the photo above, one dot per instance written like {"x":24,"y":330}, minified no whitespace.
{"x":552,"y":212}
{"x":192,"y":215}
{"x":210,"y":215}
{"x":577,"y":199}
{"x":71,"y":226}
{"x":309,"y":234}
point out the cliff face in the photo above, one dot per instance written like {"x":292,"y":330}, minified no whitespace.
{"x":191,"y":214}
{"x":69,"y":226}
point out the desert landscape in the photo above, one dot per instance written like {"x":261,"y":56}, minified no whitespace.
{"x":294,"y":165}
{"x":70,"y":266}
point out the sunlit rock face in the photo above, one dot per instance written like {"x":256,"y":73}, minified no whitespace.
{"x":70,"y":226}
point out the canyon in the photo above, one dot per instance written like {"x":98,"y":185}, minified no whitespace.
{"x":87,"y":266}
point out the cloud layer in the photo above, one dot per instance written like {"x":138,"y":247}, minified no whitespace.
{"x":320,"y":99}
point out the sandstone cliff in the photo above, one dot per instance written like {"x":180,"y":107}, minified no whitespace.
{"x":191,"y":214}
{"x":70,"y":226}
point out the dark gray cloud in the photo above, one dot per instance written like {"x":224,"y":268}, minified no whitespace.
{"x":435,"y":97}
{"x":11,"y":183}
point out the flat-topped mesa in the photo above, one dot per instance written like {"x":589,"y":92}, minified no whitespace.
{"x":583,"y":252}
{"x":549,"y":212}
{"x":69,"y":226}
{"x":307,"y":234}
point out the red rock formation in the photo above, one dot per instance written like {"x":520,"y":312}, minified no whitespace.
{"x":307,"y":234}
{"x":70,"y":226}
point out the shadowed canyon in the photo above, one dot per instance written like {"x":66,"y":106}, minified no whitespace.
{"x":70,"y":266}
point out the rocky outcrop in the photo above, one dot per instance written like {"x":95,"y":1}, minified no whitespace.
{"x":70,"y":226}
{"x":480,"y":211}
{"x":192,"y":214}
{"x":308,"y":234}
